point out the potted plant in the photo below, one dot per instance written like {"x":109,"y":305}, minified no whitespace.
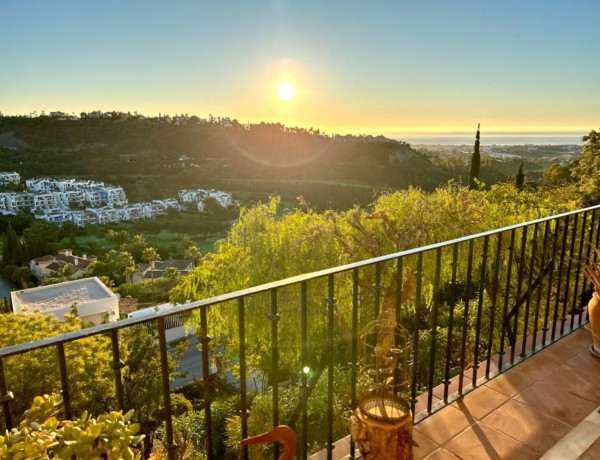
{"x":592,"y":273}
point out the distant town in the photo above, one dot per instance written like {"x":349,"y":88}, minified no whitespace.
{"x":84,"y":202}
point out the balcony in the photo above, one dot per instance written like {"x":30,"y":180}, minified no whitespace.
{"x":499,"y":341}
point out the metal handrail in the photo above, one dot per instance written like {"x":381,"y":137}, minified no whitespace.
{"x":191,"y":306}
{"x":544,"y":247}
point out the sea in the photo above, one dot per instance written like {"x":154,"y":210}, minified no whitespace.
{"x":494,"y":139}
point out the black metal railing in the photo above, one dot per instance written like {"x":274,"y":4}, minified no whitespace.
{"x":474,"y":306}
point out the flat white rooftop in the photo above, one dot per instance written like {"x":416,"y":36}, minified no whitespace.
{"x":63,"y":295}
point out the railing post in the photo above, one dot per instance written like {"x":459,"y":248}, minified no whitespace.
{"x":330,"y":350}
{"x":484,"y":257}
{"x":116,"y":366}
{"x":354,"y":353}
{"x":64,"y":380}
{"x":242,"y":358}
{"x":465,"y":321}
{"x":6,"y":397}
{"x":529,"y":293}
{"x":511,"y":248}
{"x":454,"y":265}
{"x":416,"y":325}
{"x":495,"y":282}
{"x":164,"y":372}
{"x":434,"y":332}
{"x":274,"y":318}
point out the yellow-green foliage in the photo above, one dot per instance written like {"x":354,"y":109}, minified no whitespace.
{"x":91,"y":380}
{"x":42,"y":435}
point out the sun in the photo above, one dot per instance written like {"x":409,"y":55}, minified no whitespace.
{"x":286,"y":91}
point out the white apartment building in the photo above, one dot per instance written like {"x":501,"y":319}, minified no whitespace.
{"x":39,"y":185}
{"x":188,"y":196}
{"x":115,"y":196}
{"x":16,"y":202}
{"x":66,"y":199}
{"x":43,"y":201}
{"x":83,"y":218}
{"x":10,"y":178}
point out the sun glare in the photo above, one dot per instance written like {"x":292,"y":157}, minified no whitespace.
{"x":286,"y":91}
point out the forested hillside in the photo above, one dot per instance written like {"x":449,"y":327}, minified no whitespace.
{"x":152,"y":159}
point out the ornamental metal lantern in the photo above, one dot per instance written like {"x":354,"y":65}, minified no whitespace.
{"x":388,"y":364}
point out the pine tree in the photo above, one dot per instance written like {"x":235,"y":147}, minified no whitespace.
{"x":520,"y":178}
{"x":475,"y":163}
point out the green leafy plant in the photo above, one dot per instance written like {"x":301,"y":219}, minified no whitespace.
{"x":42,"y":435}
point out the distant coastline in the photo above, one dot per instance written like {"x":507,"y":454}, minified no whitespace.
{"x":494,"y":139}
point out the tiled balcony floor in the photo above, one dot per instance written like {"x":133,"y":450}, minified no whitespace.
{"x":520,"y":414}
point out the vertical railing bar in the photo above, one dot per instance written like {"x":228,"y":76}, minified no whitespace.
{"x":560,"y":275}
{"x":418,"y":275}
{"x":536,"y":317}
{"x":575,"y":308}
{"x":354,"y":364}
{"x":465,"y":321}
{"x":377,"y":289}
{"x":484,"y":257}
{"x":450,"y":322}
{"x":528,"y":287}
{"x":578,"y":298}
{"x":330,"y":350}
{"x":274,"y":317}
{"x":6,"y":397}
{"x":165,"y":380}
{"x":587,"y":258}
{"x":595,"y":255}
{"x":205,"y":340}
{"x":304,"y":361}
{"x":242,"y":358}
{"x":511,"y":248}
{"x":64,"y":380}
{"x":555,"y":237}
{"x":398,"y":316}
{"x":522,"y":264}
{"x":495,"y":289}
{"x":434,"y":332}
{"x":568,"y":280}
{"x":117,"y":365}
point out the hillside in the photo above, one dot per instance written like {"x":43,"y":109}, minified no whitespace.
{"x":153,"y":159}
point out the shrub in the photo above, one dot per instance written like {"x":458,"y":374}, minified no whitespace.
{"x":42,"y":435}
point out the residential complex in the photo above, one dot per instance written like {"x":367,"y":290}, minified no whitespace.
{"x":84,"y":202}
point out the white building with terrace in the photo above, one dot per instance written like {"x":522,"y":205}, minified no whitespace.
{"x":94,"y":301}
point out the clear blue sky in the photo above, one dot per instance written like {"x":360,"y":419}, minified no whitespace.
{"x":357,"y":66}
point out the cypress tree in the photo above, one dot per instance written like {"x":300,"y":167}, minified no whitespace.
{"x":475,"y":163}
{"x":520,"y":178}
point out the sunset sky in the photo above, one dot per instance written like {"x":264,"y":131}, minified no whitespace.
{"x":356,"y":67}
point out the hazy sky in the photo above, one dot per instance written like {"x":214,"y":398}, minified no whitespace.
{"x":365,"y":66}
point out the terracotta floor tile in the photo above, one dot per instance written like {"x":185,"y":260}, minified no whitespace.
{"x":481,"y":402}
{"x":554,"y":401}
{"x":441,"y":454}
{"x":426,"y":445}
{"x":592,"y":453}
{"x":342,"y":449}
{"x":539,"y":365}
{"x":575,"y":381}
{"x":481,"y":442}
{"x":438,"y":391}
{"x":421,"y":404}
{"x":511,"y":383}
{"x":444,"y":424}
{"x":586,"y":362}
{"x":528,"y":426}
{"x":571,"y":345}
